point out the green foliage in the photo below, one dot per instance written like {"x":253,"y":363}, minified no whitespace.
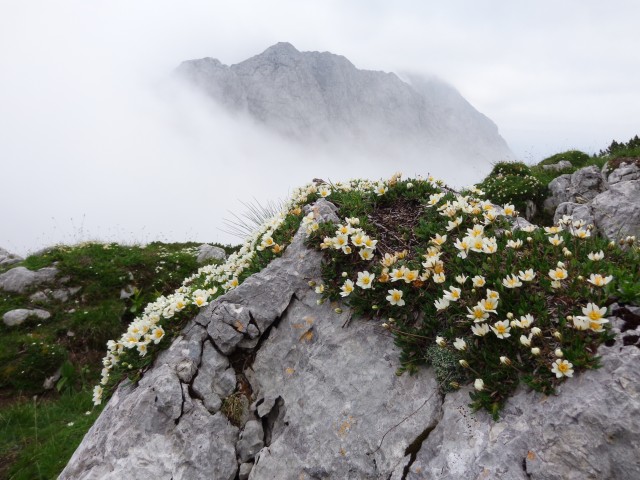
{"x":628,"y":149}
{"x":74,"y":338}
{"x":577,"y":158}
{"x":37,"y":438}
{"x":529,"y":351}
{"x":512,"y":183}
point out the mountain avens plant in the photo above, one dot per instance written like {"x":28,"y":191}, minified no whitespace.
{"x":462,"y":284}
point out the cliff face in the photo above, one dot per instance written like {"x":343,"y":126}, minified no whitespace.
{"x":321,"y":97}
{"x":325,"y":402}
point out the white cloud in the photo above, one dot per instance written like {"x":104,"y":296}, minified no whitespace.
{"x":90,"y":130}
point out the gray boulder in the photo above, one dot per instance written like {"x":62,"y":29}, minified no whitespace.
{"x":210,"y":252}
{"x":251,"y":441}
{"x":624,"y":173}
{"x":561,"y":165}
{"x":617,"y":211}
{"x":613,"y":207}
{"x":20,"y":315}
{"x":156,"y":430}
{"x":580,"y":187}
{"x":21,"y":279}
{"x":7,"y":258}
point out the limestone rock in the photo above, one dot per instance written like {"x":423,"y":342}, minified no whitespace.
{"x":624,"y":173}
{"x":21,"y":279}
{"x":590,"y":430}
{"x":561,"y":165}
{"x":20,"y":315}
{"x":330,"y":397}
{"x":576,"y":210}
{"x":155,"y":430}
{"x":251,"y":441}
{"x":216,"y":380}
{"x":244,"y":471}
{"x":579,"y":187}
{"x":7,"y":258}
{"x":58,"y":295}
{"x":612,"y":207}
{"x":210,"y":252}
{"x":617,"y":211}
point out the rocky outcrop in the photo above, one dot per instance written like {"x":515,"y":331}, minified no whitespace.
{"x":7,"y":258}
{"x":20,"y":315}
{"x":610,"y":202}
{"x":21,"y":279}
{"x":321,"y":97}
{"x":326,"y":403}
{"x":561,"y":165}
{"x":590,"y":430}
{"x":210,"y":252}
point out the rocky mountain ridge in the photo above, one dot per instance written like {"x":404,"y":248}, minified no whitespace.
{"x":317,"y":97}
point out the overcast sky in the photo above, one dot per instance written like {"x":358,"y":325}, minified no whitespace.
{"x":96,"y":144}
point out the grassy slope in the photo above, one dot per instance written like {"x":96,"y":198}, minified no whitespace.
{"x":35,"y":441}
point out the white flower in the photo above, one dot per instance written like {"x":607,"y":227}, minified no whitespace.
{"x":453,"y":295}
{"x":460,"y":344}
{"x":511,"y":281}
{"x":480,"y":330}
{"x":526,"y":341}
{"x":478,"y":384}
{"x":525,"y":321}
{"x":535,"y":351}
{"x":593,"y":256}
{"x":598,"y":280}
{"x":395,"y":297}
{"x":527,"y":275}
{"x":478,"y":314}
{"x":97,"y":395}
{"x":556,"y":240}
{"x":346,"y":288}
{"x":324,"y":191}
{"x":478,"y":281}
{"x":157,"y":334}
{"x":441,"y":304}
{"x":562,"y":368}
{"x":366,"y":254}
{"x":515,"y":244}
{"x":365,"y":280}
{"x":439,"y":278}
{"x":501,"y":329}
{"x":461,"y":279}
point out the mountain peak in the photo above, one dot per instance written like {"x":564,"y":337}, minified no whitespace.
{"x":281,"y":48}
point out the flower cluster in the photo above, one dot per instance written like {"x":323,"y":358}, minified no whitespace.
{"x":503,"y":296}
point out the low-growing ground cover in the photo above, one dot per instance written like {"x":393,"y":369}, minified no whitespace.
{"x":465,"y":287}
{"x":35,"y":439}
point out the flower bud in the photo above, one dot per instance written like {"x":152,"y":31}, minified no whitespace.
{"x":374,"y":307}
{"x":535,"y":351}
{"x":441,"y":341}
{"x":454,"y":385}
{"x":529,"y":239}
{"x":345,"y":274}
{"x":509,"y":315}
{"x":558,"y":352}
{"x":312,"y":283}
{"x":385,"y":326}
{"x":463,"y":363}
{"x":536,"y":331}
{"x":505,"y":360}
{"x":338,"y":310}
{"x":557,"y":334}
{"x":478,"y":384}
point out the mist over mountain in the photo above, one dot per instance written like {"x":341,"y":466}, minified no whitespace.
{"x":322,"y":99}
